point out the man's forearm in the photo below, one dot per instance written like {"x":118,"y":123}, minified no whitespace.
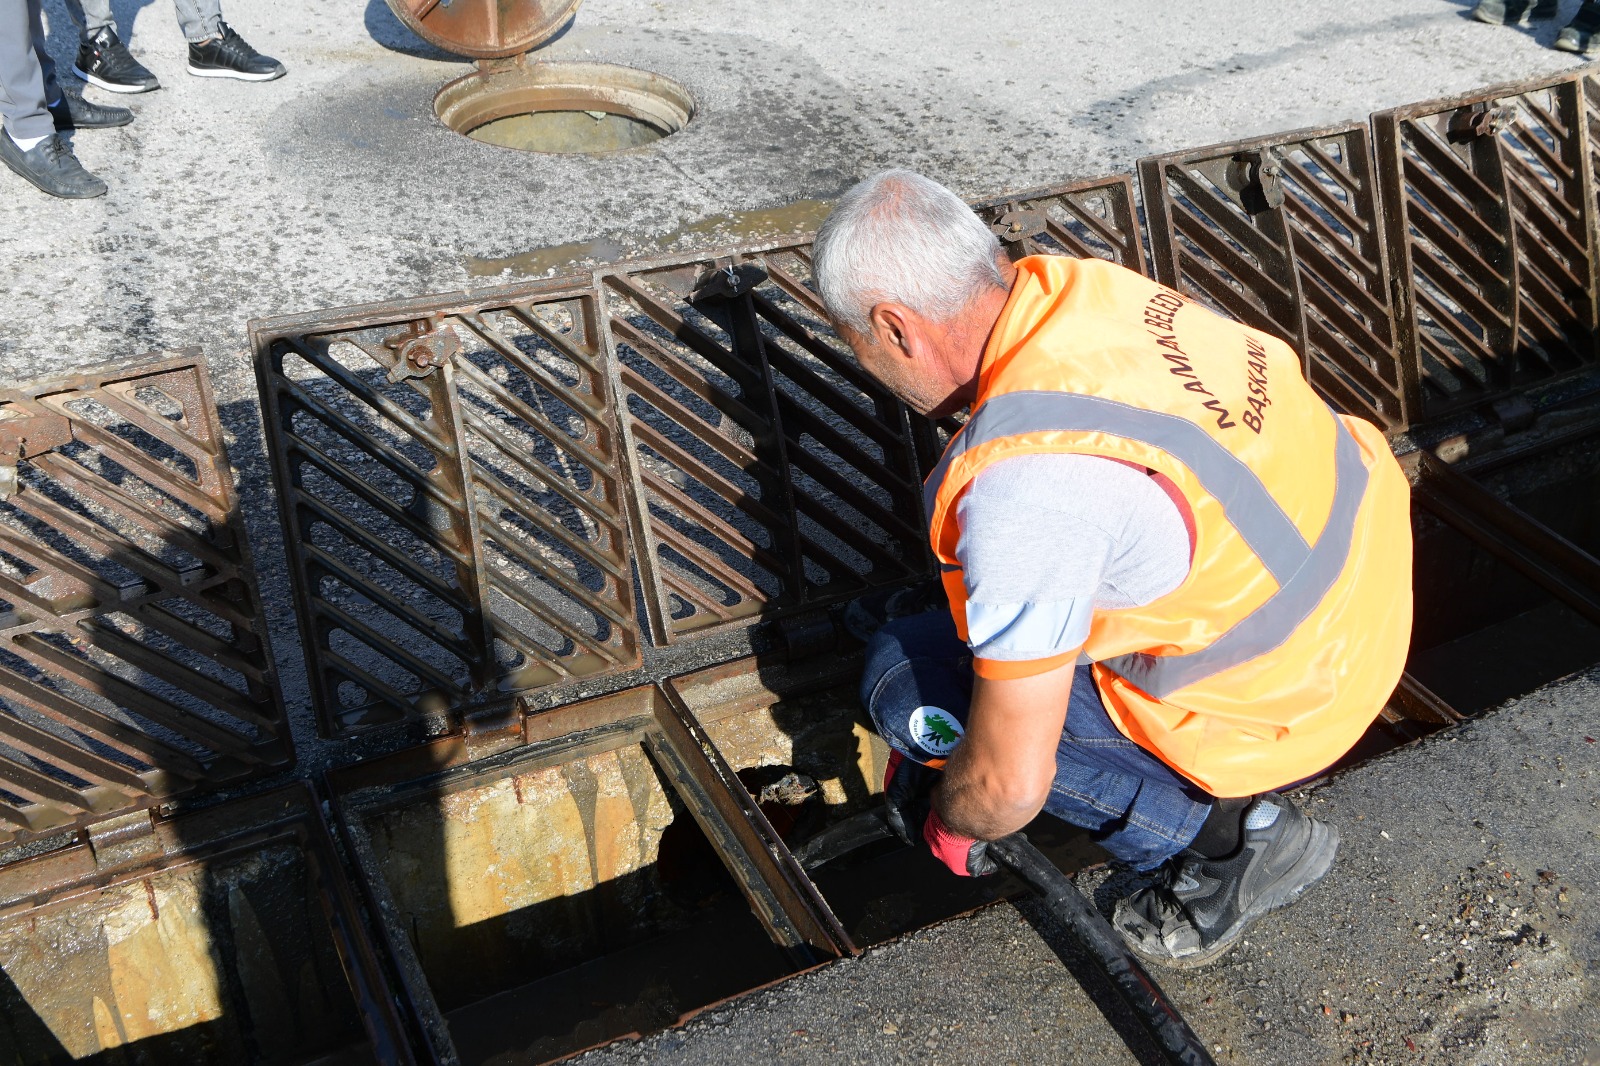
{"x":980,"y":810}
{"x":998,"y":777}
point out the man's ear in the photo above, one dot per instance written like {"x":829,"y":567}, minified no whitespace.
{"x":893,"y":328}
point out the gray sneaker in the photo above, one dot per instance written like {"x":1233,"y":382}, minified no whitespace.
{"x":1512,"y":12}
{"x":1202,"y":906}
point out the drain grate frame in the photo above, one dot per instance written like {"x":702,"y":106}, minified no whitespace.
{"x":453,"y":508}
{"x":134,"y":659}
{"x":1490,"y":219}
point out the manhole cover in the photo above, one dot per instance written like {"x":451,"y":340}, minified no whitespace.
{"x":564,"y":108}
{"x":484,"y":29}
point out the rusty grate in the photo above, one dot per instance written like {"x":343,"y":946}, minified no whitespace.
{"x":454,"y":515}
{"x":1284,"y":234}
{"x":1094,"y":219}
{"x":134,"y":663}
{"x":770,"y":472}
{"x":1490,"y":218}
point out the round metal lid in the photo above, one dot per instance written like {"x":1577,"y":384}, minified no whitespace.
{"x":484,"y":29}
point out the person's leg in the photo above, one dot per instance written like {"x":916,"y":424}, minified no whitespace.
{"x":1141,"y":811}
{"x":30,"y":145}
{"x":92,"y":16}
{"x":27,"y":76}
{"x":200,"y":20}
{"x":216,"y":50}
{"x":917,"y":686}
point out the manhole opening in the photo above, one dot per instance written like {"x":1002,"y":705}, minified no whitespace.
{"x":564,"y":108}
{"x":811,"y":763}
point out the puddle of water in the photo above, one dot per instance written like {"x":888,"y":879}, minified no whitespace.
{"x":802,"y":216}
{"x":568,"y":132}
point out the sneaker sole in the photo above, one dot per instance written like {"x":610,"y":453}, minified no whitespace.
{"x":205,"y":72}
{"x":1312,"y":867}
{"x":111,"y":86}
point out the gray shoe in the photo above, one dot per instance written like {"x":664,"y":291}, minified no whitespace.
{"x":51,"y":166}
{"x":1202,"y":906}
{"x":1512,"y":12}
{"x":1582,"y":34}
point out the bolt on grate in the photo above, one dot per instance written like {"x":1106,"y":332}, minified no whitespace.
{"x":1490,"y":218}
{"x":770,"y":473}
{"x":1283,"y":233}
{"x":452,"y":506}
{"x":134,"y":664}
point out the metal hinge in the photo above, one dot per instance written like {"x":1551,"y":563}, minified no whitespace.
{"x":491,"y":730}
{"x":22,"y":436}
{"x":421,"y":348}
{"x":124,"y":840}
{"x":726,"y":280}
{"x":1018,"y":224}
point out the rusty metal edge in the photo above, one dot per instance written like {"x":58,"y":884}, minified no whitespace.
{"x":408,"y":19}
{"x":1126,"y":180}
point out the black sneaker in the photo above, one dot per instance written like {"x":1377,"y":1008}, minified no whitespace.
{"x":73,"y":112}
{"x":228,"y":56}
{"x":1202,"y":906}
{"x":51,"y":166}
{"x":104,"y":62}
{"x":1512,"y":12}
{"x":1579,"y":34}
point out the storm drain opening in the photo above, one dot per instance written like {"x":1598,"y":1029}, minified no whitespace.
{"x":189,"y":940}
{"x":1486,"y":630}
{"x":562,"y":895}
{"x":564,"y":108}
{"x":801,"y":745}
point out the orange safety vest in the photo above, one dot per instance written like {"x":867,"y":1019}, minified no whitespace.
{"x":1277,"y":651}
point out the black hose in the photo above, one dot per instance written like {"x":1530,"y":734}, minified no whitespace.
{"x":1138,"y":990}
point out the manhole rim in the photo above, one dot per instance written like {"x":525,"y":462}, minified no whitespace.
{"x":489,"y":94}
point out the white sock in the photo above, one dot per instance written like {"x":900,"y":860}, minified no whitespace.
{"x":25,"y":143}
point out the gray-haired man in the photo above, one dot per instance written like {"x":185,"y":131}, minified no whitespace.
{"x":215,"y":50}
{"x":34,"y":108}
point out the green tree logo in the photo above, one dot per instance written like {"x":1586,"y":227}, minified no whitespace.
{"x":934,"y":730}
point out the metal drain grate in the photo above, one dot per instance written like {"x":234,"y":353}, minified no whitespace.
{"x":770,"y":472}
{"x":447,"y":472}
{"x":1490,"y":213}
{"x":1283,"y":233}
{"x":134,"y":664}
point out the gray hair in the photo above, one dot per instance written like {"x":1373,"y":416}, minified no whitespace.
{"x":903,"y":238}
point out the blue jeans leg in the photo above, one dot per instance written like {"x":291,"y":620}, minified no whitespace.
{"x":918,"y":675}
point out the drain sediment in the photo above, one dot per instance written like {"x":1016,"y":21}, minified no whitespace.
{"x":564,"y":108}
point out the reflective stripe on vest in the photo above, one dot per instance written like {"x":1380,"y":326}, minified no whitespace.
{"x":1304,"y":573}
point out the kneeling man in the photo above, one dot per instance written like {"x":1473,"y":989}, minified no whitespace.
{"x":1177,"y":579}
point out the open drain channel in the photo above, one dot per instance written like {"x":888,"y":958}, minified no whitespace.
{"x":510,"y":513}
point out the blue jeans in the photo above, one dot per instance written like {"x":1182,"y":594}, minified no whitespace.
{"x":1137,"y":808}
